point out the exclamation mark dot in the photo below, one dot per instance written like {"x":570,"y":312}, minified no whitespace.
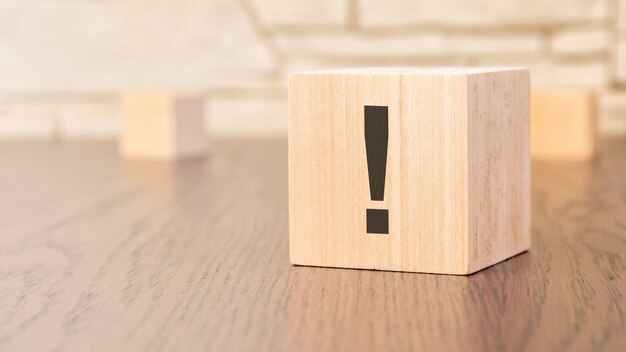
{"x":376,"y":139}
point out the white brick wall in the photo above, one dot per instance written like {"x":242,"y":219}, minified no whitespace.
{"x":359,"y":45}
{"x":584,"y":74}
{"x":64,"y":63}
{"x":613,"y":109}
{"x":301,"y":12}
{"x":249,"y":117}
{"x":581,"y":41}
{"x":418,"y":45}
{"x":456,"y":13}
{"x":619,"y":52}
{"x":89,"y":119}
{"x":113,"y":45}
{"x":20,"y":120}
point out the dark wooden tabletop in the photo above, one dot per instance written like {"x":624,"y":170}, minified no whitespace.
{"x":98,"y":253}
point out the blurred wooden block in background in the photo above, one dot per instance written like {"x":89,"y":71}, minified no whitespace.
{"x":453,"y":170}
{"x":563,"y":124}
{"x":162,"y":125}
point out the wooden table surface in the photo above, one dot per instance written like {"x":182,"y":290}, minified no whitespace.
{"x":97,"y":253}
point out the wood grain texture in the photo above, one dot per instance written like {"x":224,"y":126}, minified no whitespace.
{"x":458,"y":168}
{"x":102,"y":254}
{"x":162,"y":125}
{"x":498,"y":167}
{"x":563,"y":124}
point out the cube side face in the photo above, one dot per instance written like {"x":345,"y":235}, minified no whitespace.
{"x":147,"y":126}
{"x":190,"y":132}
{"x":499,"y":167}
{"x":425,"y":187}
{"x":563,"y":125}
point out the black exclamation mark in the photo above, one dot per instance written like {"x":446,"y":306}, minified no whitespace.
{"x":376,"y":139}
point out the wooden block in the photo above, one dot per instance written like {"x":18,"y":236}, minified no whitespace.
{"x":422,"y":170}
{"x":563,"y":125}
{"x":162,"y":125}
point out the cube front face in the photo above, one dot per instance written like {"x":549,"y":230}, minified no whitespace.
{"x":426,"y":178}
{"x":563,"y":125}
{"x":147,"y":125}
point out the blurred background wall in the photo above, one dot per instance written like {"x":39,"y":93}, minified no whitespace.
{"x":63,"y":63}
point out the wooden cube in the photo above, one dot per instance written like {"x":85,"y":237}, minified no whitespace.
{"x":162,"y":125}
{"x":563,"y":124}
{"x":421,"y":170}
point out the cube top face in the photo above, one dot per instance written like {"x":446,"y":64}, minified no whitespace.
{"x":408,"y":71}
{"x":563,"y":124}
{"x":162,"y":125}
{"x":455,"y":175}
